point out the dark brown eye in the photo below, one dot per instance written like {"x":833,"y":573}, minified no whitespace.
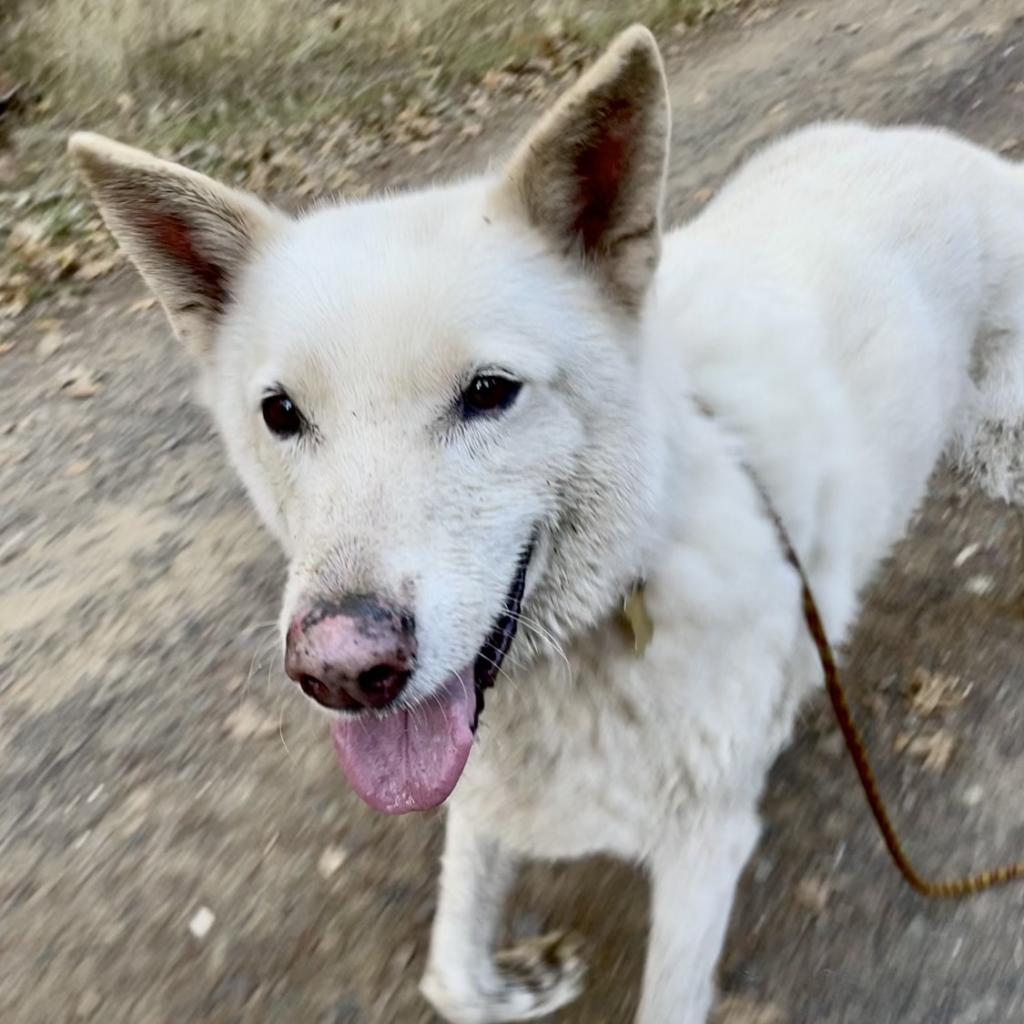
{"x":488,"y":393}
{"x":282,"y":416}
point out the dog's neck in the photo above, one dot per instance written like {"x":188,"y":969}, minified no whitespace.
{"x":676,"y":543}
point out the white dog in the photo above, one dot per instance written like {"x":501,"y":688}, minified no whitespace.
{"x":504,"y":404}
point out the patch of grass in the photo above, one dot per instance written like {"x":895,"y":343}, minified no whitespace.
{"x":243,"y":52}
{"x":292,"y":97}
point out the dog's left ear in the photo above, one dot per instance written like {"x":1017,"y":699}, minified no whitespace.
{"x":591,"y":175}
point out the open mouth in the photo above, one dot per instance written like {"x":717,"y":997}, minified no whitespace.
{"x":410,"y":759}
{"x":495,"y":647}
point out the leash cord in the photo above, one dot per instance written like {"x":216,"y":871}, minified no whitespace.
{"x":953,"y":888}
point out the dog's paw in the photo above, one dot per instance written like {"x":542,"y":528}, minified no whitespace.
{"x":530,"y":980}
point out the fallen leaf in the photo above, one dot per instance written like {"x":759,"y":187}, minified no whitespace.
{"x":65,"y":263}
{"x":98,"y":267}
{"x":14,"y":426}
{"x":742,"y":1010}
{"x":931,"y":692}
{"x":16,"y":304}
{"x":933,"y":749}
{"x":142,"y":305}
{"x":79,"y":382}
{"x":26,"y":238}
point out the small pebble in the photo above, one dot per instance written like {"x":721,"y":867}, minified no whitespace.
{"x":979,"y":585}
{"x":973,"y":795}
{"x":330,"y":861}
{"x":202,"y":922}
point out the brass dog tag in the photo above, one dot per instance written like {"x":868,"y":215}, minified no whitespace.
{"x":636,"y":619}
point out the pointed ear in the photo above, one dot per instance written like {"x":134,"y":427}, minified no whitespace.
{"x":591,"y":175}
{"x":188,"y":235}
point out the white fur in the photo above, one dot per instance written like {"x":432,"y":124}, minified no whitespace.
{"x":850,"y":306}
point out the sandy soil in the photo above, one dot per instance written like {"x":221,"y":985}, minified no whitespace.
{"x":175,"y":840}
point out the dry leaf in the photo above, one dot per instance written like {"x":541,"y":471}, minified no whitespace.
{"x":26,"y":238}
{"x":16,"y":304}
{"x":65,"y":263}
{"x":97,"y":267}
{"x":142,"y":305}
{"x":79,"y":382}
{"x":933,"y":749}
{"x":742,"y":1010}
{"x":930,"y":692}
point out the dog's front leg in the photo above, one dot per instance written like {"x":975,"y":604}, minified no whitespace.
{"x":694,"y":880}
{"x":465,"y":981}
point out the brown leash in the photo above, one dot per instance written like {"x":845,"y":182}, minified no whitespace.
{"x":953,"y":888}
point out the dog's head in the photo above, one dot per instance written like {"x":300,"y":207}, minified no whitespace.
{"x":434,"y":401}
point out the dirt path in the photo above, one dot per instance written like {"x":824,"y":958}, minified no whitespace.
{"x":175,"y":842}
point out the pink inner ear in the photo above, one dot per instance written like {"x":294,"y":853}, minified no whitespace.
{"x":601,"y":165}
{"x":174,"y":237}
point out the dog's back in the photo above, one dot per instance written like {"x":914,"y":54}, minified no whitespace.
{"x":852,"y":302}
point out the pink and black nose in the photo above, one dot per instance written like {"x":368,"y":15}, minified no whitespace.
{"x":351,"y":654}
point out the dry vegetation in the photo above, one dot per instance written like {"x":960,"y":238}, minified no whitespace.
{"x":284,"y":96}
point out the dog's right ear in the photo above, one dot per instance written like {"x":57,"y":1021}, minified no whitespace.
{"x":188,"y":235}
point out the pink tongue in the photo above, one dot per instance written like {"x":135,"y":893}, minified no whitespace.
{"x":409,"y":760}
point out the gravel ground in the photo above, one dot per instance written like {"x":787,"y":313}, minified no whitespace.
{"x":175,"y":841}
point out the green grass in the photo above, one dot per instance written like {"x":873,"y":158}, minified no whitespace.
{"x":238,"y":56}
{"x":287,"y":97}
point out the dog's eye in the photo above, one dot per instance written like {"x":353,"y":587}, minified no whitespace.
{"x":281,"y":415}
{"x":489,"y":392}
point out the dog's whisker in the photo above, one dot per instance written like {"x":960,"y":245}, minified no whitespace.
{"x":533,"y":625}
{"x":257,"y":656}
{"x":280,"y":731}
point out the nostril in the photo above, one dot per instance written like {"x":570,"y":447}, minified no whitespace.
{"x":382,"y":684}
{"x":317,"y":690}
